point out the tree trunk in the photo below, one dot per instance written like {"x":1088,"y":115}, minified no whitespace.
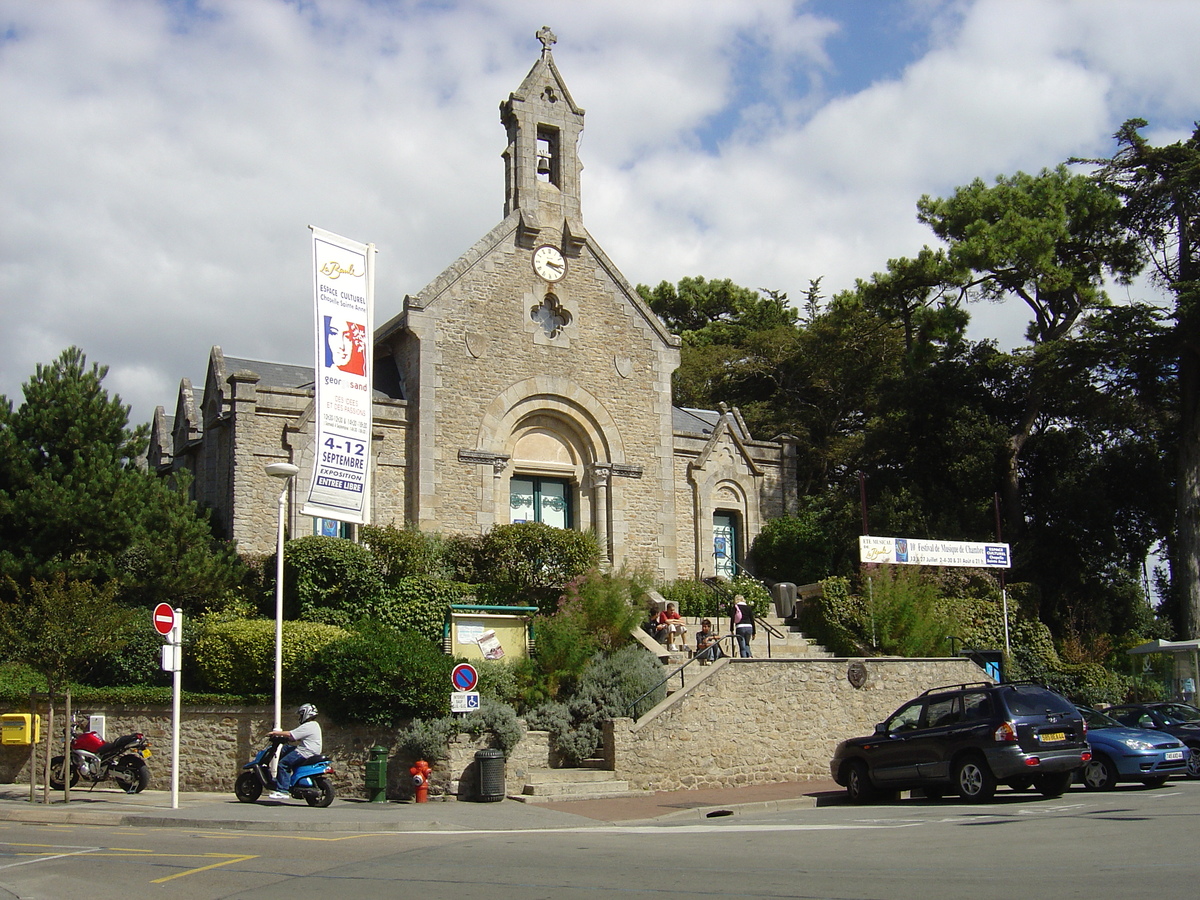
{"x":1185,"y":558}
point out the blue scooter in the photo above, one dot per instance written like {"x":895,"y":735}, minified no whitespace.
{"x":308,"y":779}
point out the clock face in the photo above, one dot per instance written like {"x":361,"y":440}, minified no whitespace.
{"x":548,"y":263}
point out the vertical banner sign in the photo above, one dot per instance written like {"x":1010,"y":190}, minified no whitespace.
{"x":344,"y":287}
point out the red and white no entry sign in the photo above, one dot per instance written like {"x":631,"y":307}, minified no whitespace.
{"x":164,"y":618}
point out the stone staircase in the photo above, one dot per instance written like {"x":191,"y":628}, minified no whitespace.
{"x":588,"y":782}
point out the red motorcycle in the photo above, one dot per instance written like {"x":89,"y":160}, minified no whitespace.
{"x":93,"y":759}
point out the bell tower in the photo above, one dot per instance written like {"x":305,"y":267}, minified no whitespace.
{"x":541,"y":161}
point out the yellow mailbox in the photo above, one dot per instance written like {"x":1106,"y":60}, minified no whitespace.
{"x":20,"y":728}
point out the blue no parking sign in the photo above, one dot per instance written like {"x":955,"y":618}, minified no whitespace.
{"x":464,"y":677}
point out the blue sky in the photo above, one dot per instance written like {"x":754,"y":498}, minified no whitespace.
{"x":160,"y":162}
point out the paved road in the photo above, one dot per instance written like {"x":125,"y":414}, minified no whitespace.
{"x":1128,"y":843}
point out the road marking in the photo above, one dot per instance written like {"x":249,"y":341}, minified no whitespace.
{"x":216,"y":865}
{"x":43,"y":857}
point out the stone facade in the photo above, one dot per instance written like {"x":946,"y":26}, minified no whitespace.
{"x":759,"y":721}
{"x":746,"y":721}
{"x":528,"y":379}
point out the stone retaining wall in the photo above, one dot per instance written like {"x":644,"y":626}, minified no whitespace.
{"x":214,"y":743}
{"x":755,"y":721}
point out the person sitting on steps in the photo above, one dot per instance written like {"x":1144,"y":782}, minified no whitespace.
{"x":708,"y":647}
{"x":669,"y":624}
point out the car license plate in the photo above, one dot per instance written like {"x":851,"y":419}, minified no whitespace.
{"x":145,"y":754}
{"x":1049,"y":737}
{"x":1174,"y":754}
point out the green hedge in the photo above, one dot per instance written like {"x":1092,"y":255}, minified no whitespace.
{"x":238,"y":656}
{"x":381,"y":676}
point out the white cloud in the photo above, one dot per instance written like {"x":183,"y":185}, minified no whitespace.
{"x":159,"y":162}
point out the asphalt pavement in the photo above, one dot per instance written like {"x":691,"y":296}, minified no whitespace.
{"x":109,"y":806}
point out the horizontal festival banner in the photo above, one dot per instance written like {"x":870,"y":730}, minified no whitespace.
{"x":910,"y":551}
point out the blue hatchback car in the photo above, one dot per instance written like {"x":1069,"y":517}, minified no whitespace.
{"x":1128,"y":754}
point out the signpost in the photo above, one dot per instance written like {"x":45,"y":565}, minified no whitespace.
{"x":464,"y":679}
{"x":169,"y":623}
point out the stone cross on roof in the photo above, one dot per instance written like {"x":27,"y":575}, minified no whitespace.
{"x":546,"y":36}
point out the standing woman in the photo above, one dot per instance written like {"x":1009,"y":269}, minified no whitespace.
{"x":741,"y":623}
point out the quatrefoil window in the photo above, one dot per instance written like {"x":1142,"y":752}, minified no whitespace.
{"x":550,"y":315}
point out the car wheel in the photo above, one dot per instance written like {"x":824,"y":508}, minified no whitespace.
{"x":1053,"y":784}
{"x":1099,"y":773}
{"x":858,"y":783}
{"x":1154,"y":782}
{"x":1193,"y":762}
{"x":973,"y":779}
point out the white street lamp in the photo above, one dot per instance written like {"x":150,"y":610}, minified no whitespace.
{"x":285,"y":472}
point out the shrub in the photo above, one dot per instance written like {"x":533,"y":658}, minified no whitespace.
{"x":905,"y":615}
{"x":418,"y":603}
{"x":326,"y":579}
{"x":606,"y":690}
{"x":408,"y":552}
{"x":691,"y":598}
{"x":533,"y":561}
{"x":238,"y":655}
{"x":429,"y":739}
{"x":793,"y":548}
{"x":610,"y":606}
{"x":836,"y":618}
{"x":380,"y":676}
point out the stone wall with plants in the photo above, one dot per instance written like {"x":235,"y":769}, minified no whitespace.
{"x":758,"y":721}
{"x":215,"y":742}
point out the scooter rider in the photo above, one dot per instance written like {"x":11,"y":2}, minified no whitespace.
{"x":307,"y":737}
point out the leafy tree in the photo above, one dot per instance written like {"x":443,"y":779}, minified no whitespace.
{"x":1047,"y":240}
{"x":74,"y":501}
{"x":733,"y":338}
{"x":1160,"y":187}
{"x":59,"y":627}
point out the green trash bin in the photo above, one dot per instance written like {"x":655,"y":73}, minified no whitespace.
{"x":490,"y":764}
{"x":376,"y":774}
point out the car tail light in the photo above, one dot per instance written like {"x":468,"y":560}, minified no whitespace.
{"x":1084,"y":723}
{"x":1086,"y":756}
{"x":1005,"y":732}
{"x":1033,"y":761}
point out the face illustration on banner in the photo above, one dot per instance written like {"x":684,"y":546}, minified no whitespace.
{"x":345,"y":347}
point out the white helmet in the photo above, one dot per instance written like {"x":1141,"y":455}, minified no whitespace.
{"x":306,"y":712}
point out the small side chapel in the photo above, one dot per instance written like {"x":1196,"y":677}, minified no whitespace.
{"x":527,"y":382}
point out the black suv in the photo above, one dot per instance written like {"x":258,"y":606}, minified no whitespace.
{"x":968,"y":738}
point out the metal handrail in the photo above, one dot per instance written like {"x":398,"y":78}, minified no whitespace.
{"x":723,"y":593}
{"x":682,"y":681}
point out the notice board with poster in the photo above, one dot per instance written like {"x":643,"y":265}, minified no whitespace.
{"x":488,"y":633}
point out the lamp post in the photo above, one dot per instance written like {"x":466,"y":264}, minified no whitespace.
{"x":285,"y":472}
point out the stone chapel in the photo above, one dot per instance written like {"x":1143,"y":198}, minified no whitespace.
{"x":527,"y":382}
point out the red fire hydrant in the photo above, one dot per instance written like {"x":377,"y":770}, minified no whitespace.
{"x":420,"y":773}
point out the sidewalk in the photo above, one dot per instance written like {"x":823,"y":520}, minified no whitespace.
{"x":213,"y":811}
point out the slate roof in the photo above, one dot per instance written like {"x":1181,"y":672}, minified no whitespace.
{"x":694,"y":421}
